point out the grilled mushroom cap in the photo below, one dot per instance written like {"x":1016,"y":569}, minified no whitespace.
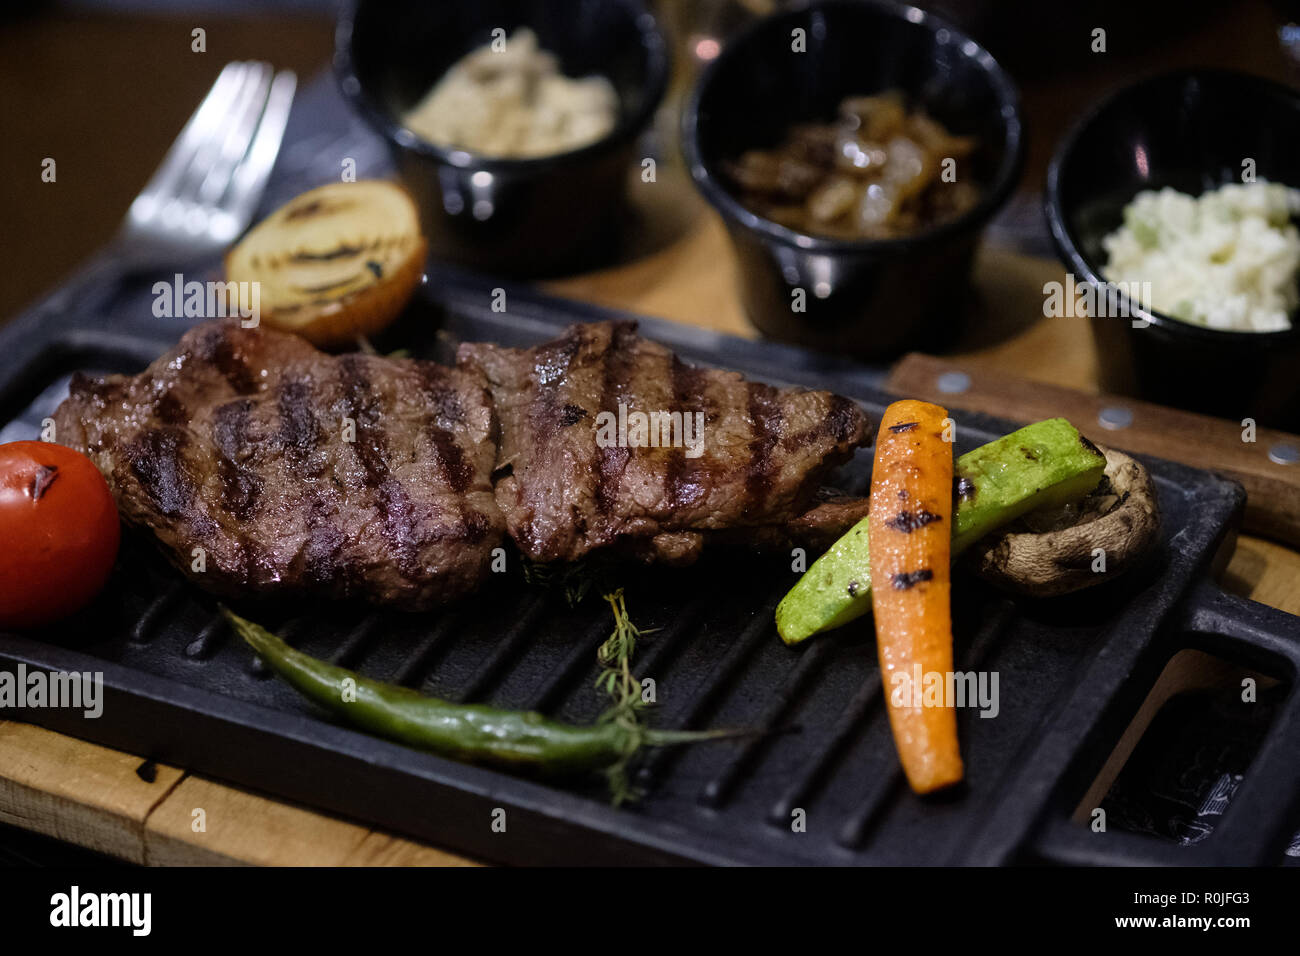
{"x":1051,"y":553}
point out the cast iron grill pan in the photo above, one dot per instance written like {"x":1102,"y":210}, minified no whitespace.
{"x":181,"y":689}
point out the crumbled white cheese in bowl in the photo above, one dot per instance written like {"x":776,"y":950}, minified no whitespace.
{"x":1226,"y":260}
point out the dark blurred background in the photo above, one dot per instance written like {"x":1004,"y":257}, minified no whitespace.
{"x":104,"y":87}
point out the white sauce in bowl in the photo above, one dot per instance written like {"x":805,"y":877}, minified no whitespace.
{"x":510,"y":101}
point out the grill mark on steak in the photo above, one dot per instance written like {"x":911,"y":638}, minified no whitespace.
{"x":842,"y":419}
{"x":394,"y":504}
{"x":612,"y":460}
{"x":456,"y":471}
{"x":299,"y":433}
{"x":322,"y":553}
{"x":680,"y":486}
{"x":155,"y":459}
{"x":838,"y":425}
{"x":675,"y":467}
{"x":218,"y":349}
{"x":171,"y":410}
{"x":454,"y":467}
{"x":399,"y":525}
{"x":240,"y":486}
{"x":361,"y":406}
{"x":298,"y":436}
{"x":477,"y":525}
{"x":765,"y":414}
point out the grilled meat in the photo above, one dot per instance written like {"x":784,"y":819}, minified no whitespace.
{"x":298,"y":472}
{"x":265,"y":466}
{"x":575,"y":474}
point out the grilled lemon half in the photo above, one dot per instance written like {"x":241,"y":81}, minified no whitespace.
{"x":336,"y":262}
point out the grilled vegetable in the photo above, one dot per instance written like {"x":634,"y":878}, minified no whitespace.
{"x":1056,"y":550}
{"x":336,"y":262}
{"x":58,"y":532}
{"x":1046,"y":464}
{"x":474,"y":733}
{"x":910,"y":547}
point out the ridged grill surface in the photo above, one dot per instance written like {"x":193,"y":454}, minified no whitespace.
{"x":820,"y":751}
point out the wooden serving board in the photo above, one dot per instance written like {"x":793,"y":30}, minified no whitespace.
{"x":116,"y":803}
{"x":1272,"y":487}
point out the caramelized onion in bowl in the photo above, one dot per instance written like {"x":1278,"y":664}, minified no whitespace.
{"x":877,"y":171}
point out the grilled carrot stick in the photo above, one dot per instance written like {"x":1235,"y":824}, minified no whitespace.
{"x":910,"y":535}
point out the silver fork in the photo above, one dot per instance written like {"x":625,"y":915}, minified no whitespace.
{"x":204,"y":193}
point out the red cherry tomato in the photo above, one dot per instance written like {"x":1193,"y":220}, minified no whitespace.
{"x":59,"y":532}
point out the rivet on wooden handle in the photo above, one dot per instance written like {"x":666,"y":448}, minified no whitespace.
{"x":1267,"y":467}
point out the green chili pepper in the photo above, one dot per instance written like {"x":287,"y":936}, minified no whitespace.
{"x":474,"y":733}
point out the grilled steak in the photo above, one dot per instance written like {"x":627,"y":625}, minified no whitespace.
{"x":265,"y":466}
{"x":576,"y":471}
{"x":295,"y":471}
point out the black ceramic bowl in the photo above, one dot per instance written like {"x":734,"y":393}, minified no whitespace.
{"x":871,"y":297}
{"x":518,"y":217}
{"x":1190,"y":130}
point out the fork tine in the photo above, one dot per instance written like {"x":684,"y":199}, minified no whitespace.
{"x":200,"y":127}
{"x":185,"y":190}
{"x":242,"y":125}
{"x":253,"y":170}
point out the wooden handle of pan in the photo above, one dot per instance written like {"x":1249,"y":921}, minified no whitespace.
{"x":1272,"y":487}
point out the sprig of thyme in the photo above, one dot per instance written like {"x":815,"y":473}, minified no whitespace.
{"x":617,"y":680}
